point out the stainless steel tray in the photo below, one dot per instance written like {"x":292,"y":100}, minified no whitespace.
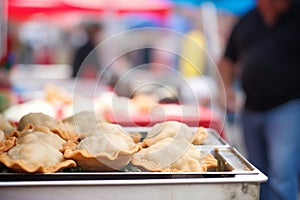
{"x":230,"y":164}
{"x":234,"y":177}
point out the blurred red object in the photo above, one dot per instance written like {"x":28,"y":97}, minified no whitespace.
{"x":24,"y":9}
{"x":204,"y":117}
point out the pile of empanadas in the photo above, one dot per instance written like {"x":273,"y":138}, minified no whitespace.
{"x":39,"y":143}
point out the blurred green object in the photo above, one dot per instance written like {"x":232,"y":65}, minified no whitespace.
{"x":5,"y":89}
{"x":4,"y":100}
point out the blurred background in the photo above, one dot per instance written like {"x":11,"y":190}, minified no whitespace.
{"x":47,"y":31}
{"x":40,"y":39}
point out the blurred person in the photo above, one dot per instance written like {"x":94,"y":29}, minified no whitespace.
{"x":82,"y":55}
{"x":263,"y":49}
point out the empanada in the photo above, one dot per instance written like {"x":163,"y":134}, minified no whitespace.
{"x":176,"y":130}
{"x":86,"y":124}
{"x":35,"y":157}
{"x":173,"y":155}
{"x":40,"y":119}
{"x":37,"y":119}
{"x":106,"y":152}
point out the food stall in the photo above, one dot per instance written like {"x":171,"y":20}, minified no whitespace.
{"x":235,"y":178}
{"x":231,"y":176}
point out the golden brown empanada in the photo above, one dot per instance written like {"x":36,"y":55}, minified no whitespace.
{"x":106,"y":152}
{"x":37,"y":119}
{"x":40,"y":119}
{"x":176,"y":130}
{"x":35,"y":157}
{"x":86,"y":124}
{"x":172,"y":155}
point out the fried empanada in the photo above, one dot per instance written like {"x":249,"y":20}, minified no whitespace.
{"x":35,"y":157}
{"x":40,"y":119}
{"x":107,"y":152}
{"x":86,"y":124}
{"x":172,"y":155}
{"x":173,"y":129}
{"x":37,"y":119}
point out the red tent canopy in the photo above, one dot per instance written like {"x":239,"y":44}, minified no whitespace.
{"x":24,"y":9}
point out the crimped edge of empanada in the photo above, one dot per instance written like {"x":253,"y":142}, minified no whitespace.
{"x":102,"y":161}
{"x":22,"y":166}
{"x":66,"y":135}
{"x":7,"y":144}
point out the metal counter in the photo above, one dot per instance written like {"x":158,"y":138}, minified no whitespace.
{"x":238,"y":187}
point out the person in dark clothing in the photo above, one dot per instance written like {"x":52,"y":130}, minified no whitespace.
{"x":264,"y":47}
{"x":86,"y":59}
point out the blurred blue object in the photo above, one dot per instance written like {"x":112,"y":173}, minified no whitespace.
{"x":141,"y":21}
{"x":237,"y":7}
{"x":179,"y":23}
